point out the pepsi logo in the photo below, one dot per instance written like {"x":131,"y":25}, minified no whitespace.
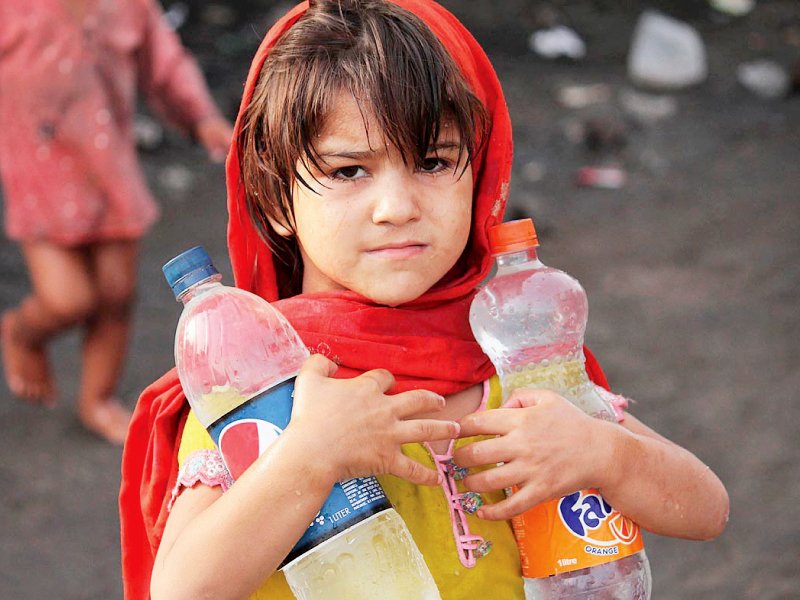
{"x":243,"y":441}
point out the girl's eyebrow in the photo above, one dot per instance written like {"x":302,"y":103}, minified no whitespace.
{"x":354,"y":154}
{"x":365,"y":154}
{"x":448,"y":145}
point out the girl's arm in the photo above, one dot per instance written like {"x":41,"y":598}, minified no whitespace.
{"x":219,"y":545}
{"x":550,"y":449}
{"x":669,"y":490}
{"x":225,"y":545}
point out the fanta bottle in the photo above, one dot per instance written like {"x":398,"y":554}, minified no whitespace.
{"x":530,"y":320}
{"x":237,"y":359}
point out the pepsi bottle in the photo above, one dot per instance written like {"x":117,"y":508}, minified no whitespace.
{"x":237,"y":358}
{"x":530,"y":320}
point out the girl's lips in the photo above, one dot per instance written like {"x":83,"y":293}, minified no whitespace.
{"x":398,"y":251}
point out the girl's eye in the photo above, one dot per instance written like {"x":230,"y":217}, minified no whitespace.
{"x":348,"y":173}
{"x":434,"y":164}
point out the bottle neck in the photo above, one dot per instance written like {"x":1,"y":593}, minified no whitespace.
{"x":515,"y":259}
{"x":200,"y":288}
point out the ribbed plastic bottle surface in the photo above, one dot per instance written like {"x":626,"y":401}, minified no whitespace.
{"x":530,"y":320}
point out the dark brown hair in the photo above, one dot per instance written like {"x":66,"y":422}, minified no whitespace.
{"x":393,"y":65}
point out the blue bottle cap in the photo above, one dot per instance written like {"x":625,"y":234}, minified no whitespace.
{"x":187,"y":269}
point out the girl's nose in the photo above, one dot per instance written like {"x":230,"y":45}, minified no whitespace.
{"x":396,"y":200}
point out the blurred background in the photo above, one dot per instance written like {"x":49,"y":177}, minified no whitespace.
{"x":657,"y":148}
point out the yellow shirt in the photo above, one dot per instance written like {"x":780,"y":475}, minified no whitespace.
{"x":425,"y":511}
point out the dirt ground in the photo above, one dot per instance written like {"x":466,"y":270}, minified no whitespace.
{"x":692,"y":271}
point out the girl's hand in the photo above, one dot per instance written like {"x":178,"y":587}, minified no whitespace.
{"x":549,"y":448}
{"x":215,"y":134}
{"x":354,"y":426}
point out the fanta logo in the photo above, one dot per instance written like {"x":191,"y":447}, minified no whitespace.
{"x":588,"y":516}
{"x":243,"y":441}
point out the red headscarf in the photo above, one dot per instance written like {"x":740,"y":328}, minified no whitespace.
{"x":426,"y":343}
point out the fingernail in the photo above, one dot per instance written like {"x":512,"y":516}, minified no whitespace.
{"x":456,"y":427}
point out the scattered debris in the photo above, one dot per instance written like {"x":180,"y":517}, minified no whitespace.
{"x":765,"y":78}
{"x":607,"y":178}
{"x":176,"y":15}
{"x":176,"y":178}
{"x":647,"y":108}
{"x":148,"y":133}
{"x":580,"y":96}
{"x":533,"y":171}
{"x":604,"y":135}
{"x":734,"y":8}
{"x":666,"y":54}
{"x":597,"y":134}
{"x":557,"y":42}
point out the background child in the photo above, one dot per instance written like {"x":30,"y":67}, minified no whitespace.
{"x":373,"y":155}
{"x":75,"y":197}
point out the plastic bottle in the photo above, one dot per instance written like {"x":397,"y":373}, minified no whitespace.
{"x":666,"y":54}
{"x":237,"y":358}
{"x":530,"y":320}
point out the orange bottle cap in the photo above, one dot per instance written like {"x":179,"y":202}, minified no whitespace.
{"x":512,"y":236}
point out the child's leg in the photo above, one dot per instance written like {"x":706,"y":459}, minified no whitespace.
{"x":62,"y":296}
{"x":114,"y":267}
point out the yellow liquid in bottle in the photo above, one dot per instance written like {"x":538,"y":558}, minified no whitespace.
{"x":375,"y":559}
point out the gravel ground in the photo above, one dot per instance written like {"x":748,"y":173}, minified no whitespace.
{"x":691,"y":270}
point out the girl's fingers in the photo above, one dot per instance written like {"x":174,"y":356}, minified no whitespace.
{"x":499,"y":421}
{"x":491,"y":480}
{"x":412,"y":471}
{"x":416,"y":402}
{"x":514,"y":505}
{"x":426,"y":430}
{"x":484,"y":452}
{"x":528,"y":397}
{"x":318,"y":365}
{"x":383,"y":379}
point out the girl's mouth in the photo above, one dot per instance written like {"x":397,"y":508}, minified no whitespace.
{"x":398,"y":251}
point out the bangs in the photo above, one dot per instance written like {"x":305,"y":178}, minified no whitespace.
{"x":398,"y":73}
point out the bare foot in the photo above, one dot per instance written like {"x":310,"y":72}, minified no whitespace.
{"x":107,"y":418}
{"x":26,"y":367}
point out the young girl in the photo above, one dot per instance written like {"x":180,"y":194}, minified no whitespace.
{"x":372,"y":153}
{"x":75,"y":197}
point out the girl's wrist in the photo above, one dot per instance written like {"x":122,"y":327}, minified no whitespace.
{"x":312,"y":454}
{"x":300,"y":461}
{"x":613,"y":444}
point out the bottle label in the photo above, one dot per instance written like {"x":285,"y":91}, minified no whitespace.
{"x":578,"y":531}
{"x":246,"y":432}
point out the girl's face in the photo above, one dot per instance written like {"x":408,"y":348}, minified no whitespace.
{"x":371,"y":223}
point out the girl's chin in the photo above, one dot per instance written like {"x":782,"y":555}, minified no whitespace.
{"x":392,"y":300}
{"x":395,"y":288}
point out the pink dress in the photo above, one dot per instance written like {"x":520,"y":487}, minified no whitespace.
{"x":68,"y":85}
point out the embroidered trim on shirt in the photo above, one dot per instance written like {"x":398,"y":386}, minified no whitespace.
{"x":202,"y":466}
